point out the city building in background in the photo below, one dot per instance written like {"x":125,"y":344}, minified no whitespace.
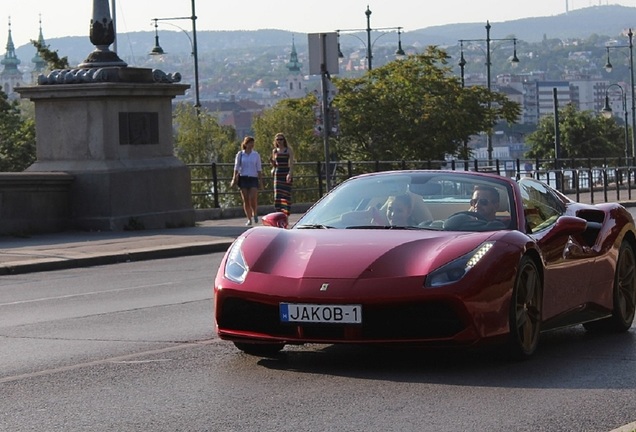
{"x":281,"y":76}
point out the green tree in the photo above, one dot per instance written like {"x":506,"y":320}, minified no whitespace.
{"x":294,"y":118}
{"x":583,"y":134}
{"x":200,"y":139}
{"x":52,"y":59}
{"x":17,"y":122}
{"x":17,"y":137}
{"x":414,"y":109}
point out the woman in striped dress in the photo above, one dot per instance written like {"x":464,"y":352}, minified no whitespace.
{"x":282,"y":160}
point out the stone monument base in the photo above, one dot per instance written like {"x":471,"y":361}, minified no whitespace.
{"x":115,"y":139}
{"x":121,"y":195}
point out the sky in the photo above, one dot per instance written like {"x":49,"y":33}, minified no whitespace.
{"x":72,"y":17}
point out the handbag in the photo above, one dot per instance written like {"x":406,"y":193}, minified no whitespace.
{"x":239,"y":155}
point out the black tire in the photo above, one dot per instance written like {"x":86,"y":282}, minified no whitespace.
{"x":260,"y":349}
{"x":624,"y":294}
{"x":525,"y":310}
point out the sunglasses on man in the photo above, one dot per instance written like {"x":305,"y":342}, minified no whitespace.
{"x":481,"y":201}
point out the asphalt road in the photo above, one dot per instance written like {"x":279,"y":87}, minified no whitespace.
{"x":130,"y":346}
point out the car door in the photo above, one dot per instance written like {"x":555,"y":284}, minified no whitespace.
{"x":567,"y":262}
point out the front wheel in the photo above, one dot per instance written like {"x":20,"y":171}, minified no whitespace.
{"x":260,"y":349}
{"x":525,"y":310}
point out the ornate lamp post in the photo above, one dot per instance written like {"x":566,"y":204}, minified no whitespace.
{"x":369,"y":53}
{"x":369,"y":44}
{"x":607,"y":113}
{"x":462,"y":64}
{"x":102,"y":35}
{"x":608,"y":68}
{"x":157,"y":50}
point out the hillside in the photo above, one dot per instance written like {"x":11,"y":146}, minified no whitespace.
{"x":580,"y":23}
{"x":609,"y":20}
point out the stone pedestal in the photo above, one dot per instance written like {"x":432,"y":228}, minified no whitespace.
{"x":115,"y":138}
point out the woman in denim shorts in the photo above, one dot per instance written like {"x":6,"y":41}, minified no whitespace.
{"x":249,"y":177}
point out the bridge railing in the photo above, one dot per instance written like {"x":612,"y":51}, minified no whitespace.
{"x":600,"y":179}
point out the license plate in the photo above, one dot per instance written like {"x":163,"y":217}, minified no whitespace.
{"x":314,"y":313}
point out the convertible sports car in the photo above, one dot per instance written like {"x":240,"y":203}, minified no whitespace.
{"x":474,"y":258}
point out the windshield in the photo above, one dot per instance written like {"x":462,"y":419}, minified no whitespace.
{"x":430,"y":200}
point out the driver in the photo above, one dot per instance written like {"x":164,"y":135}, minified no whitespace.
{"x":485,"y":201}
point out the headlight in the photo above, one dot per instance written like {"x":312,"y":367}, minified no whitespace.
{"x":455,"y":270}
{"x":235,"y":267}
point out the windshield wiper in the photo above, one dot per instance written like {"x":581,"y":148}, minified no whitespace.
{"x":314,"y":226}
{"x":368,"y":227}
{"x":384,"y":227}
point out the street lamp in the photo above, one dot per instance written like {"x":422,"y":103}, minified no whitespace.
{"x":399,"y":52}
{"x":369,"y":45}
{"x":157,"y":50}
{"x":462,"y":63}
{"x":608,"y":68}
{"x":607,"y":113}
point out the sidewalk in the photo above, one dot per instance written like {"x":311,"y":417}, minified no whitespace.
{"x":82,"y":249}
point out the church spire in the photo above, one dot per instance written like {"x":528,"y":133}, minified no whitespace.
{"x":10,"y":61}
{"x":10,"y":77}
{"x":294,"y":65}
{"x":39,"y":63}
{"x":295,"y":82}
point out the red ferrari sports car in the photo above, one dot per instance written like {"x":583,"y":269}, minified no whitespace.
{"x":439,"y":258}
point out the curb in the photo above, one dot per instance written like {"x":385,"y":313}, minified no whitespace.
{"x":115,"y":258}
{"x":631,"y":427}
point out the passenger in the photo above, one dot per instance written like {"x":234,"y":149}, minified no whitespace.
{"x":399,"y":211}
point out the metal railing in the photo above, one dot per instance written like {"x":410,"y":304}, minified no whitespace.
{"x":599,"y":178}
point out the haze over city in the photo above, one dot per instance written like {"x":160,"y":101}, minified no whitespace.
{"x":73,"y":18}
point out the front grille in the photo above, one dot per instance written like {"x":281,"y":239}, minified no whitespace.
{"x":412,"y":321}
{"x":239,"y":314}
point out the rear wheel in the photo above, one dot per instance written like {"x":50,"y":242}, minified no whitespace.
{"x":260,"y":349}
{"x":525,"y":310}
{"x":624,"y":294}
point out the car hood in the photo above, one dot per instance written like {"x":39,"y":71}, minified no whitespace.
{"x":344,"y":254}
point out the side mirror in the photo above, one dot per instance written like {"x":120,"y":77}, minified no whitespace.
{"x":567,"y":225}
{"x":276,"y":220}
